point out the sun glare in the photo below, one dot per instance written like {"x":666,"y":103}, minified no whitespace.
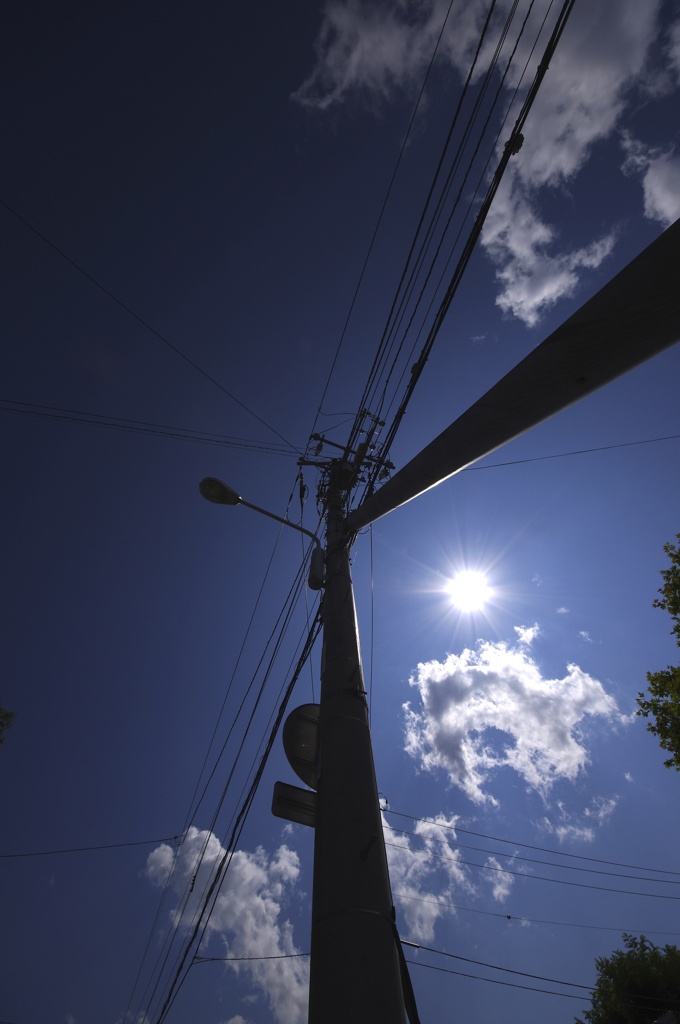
{"x":469,"y":590}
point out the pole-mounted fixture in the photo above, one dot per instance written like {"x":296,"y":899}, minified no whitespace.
{"x":219,"y":493}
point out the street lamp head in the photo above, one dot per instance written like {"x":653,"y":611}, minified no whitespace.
{"x":216,"y":491}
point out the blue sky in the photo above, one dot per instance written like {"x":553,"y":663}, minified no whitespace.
{"x":189,"y":197}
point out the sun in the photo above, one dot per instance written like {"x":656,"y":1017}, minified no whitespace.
{"x":469,"y":590}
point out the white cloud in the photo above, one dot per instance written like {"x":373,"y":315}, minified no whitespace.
{"x":370,"y":51}
{"x":585,"y":635}
{"x":628,"y":777}
{"x":601,"y":808}
{"x":247,"y":913}
{"x":674,"y":47}
{"x":659,"y":172}
{"x":423,"y":874}
{"x":600,"y":58}
{"x":578,"y":826}
{"x":568,"y":831}
{"x":501,"y":881}
{"x":533,"y":278}
{"x":491,"y":708}
{"x":562,"y":610}
{"x":527,"y":634}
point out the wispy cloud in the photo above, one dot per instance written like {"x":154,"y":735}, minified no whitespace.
{"x":492,"y":708}
{"x":424,"y":871}
{"x":501,"y":881}
{"x":370,"y":51}
{"x":577,"y":826}
{"x":247,"y":914}
{"x":659,"y":173}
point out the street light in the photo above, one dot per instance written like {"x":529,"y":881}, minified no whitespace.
{"x":220,"y":493}
{"x":357,"y":972}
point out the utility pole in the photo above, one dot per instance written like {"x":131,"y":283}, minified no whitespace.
{"x":355,"y":968}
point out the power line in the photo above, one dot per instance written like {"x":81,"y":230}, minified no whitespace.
{"x":211,"y":896}
{"x":494,"y":967}
{"x":529,"y":846}
{"x":543,"y":878}
{"x":494,"y":981}
{"x":240,"y":959}
{"x":141,"y":320}
{"x":564,"y":455}
{"x":56,"y":412}
{"x":535,"y":860}
{"x":512,"y":146}
{"x":381,"y":214}
{"x":507,"y":970}
{"x":88,"y":849}
{"x":533,"y":920}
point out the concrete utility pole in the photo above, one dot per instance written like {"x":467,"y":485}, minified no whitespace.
{"x":355,"y":970}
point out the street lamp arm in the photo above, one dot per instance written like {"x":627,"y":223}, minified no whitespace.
{"x":281,"y":519}
{"x":219,"y":493}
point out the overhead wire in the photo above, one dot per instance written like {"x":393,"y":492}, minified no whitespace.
{"x":565,"y":455}
{"x":280,"y":631}
{"x":382,"y":349}
{"x":543,"y":878}
{"x":535,"y":860}
{"x":446,"y":190}
{"x":178,"y":978}
{"x":281,"y":625}
{"x":144,"y":427}
{"x":381,"y":215}
{"x":522,"y":920}
{"x":661,"y":1001}
{"x":511,"y":147}
{"x":494,"y":981}
{"x":144,"y":323}
{"x":88,"y":849}
{"x":530,"y":846}
{"x":475,"y":193}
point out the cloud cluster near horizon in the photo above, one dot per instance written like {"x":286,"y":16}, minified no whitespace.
{"x":373,"y":52}
{"x":492,"y":708}
{"x":247,"y":914}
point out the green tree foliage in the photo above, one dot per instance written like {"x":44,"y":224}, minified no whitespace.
{"x":636,"y":986}
{"x":662,"y":702}
{"x":6,"y":718}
